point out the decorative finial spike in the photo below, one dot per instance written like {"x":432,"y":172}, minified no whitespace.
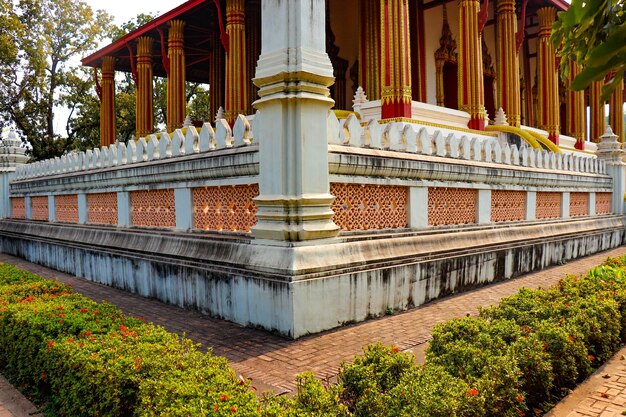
{"x":220,"y":114}
{"x":187,"y":122}
{"x":500,"y":118}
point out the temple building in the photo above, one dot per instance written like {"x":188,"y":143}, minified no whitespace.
{"x":406,"y":55}
{"x":365,"y":156}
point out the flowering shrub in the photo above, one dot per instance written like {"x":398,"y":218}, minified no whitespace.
{"x":89,"y":359}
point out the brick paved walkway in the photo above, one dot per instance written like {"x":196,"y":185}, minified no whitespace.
{"x":273,"y":362}
{"x":602,"y":395}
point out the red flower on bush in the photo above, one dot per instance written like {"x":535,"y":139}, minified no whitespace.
{"x":123,"y":328}
{"x":83,"y":310}
{"x":233,"y":409}
{"x":224,"y":397}
{"x":216,"y":407}
{"x":472,"y":392}
{"x":570,"y":338}
{"x":70,"y":340}
{"x":51,"y":343}
{"x":592,"y":358}
{"x":395,"y":350}
{"x":519,"y":398}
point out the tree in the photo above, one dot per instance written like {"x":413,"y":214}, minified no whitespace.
{"x":47,"y":36}
{"x":592,"y":33}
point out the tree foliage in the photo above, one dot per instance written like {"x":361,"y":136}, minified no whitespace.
{"x":592,"y":33}
{"x":40,"y":43}
{"x":40,"y":39}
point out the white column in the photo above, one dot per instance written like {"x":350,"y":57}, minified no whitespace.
{"x":5,"y":200}
{"x":592,"y":204}
{"x":483,"y":207}
{"x":293,"y":75}
{"x":531,"y":205}
{"x":418,"y":207}
{"x":184,"y":208}
{"x":12,"y":155}
{"x":28,"y":208}
{"x":123,"y":209}
{"x":565,"y":205}
{"x":82,"y":208}
{"x":52,"y":209}
{"x":610,"y":151}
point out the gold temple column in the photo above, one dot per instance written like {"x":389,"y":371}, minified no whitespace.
{"x":616,"y":111}
{"x":576,"y":110}
{"x":107,"y":102}
{"x":176,"y":100}
{"x":369,"y":45}
{"x":395,"y":59}
{"x":470,"y":64}
{"x":547,"y":76}
{"x":236,"y":69}
{"x":144,"y":112}
{"x":508,"y":77}
{"x":598,"y":125}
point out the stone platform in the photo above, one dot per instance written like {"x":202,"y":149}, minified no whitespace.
{"x":299,"y":289}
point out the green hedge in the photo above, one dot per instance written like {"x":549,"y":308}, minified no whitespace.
{"x":515,"y":358}
{"x":89,"y":359}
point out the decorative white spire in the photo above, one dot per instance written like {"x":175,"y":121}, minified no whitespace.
{"x":359,"y":99}
{"x":500,"y":118}
{"x":219,"y":115}
{"x":187,"y":122}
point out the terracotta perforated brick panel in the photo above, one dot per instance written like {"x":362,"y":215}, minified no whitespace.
{"x":39,"y":208}
{"x":66,"y":208}
{"x":603,"y":203}
{"x":228,"y":208}
{"x":451,"y":206}
{"x":102,"y":208}
{"x":18,"y":208}
{"x":508,"y":206}
{"x":154,"y":208}
{"x":578,"y":204}
{"x":548,"y":205}
{"x":368,"y":206}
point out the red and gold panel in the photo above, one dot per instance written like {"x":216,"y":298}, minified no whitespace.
{"x":18,"y":208}
{"x":369,"y":206}
{"x":66,"y":208}
{"x":153,"y":208}
{"x":508,"y":206}
{"x":102,"y":208}
{"x":548,"y":205}
{"x":578,"y":204}
{"x":451,"y":206}
{"x":39,"y":208}
{"x":225,"y":208}
{"x":603,"y":203}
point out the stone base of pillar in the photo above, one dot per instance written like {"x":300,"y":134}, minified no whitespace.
{"x":392,"y":108}
{"x":476,"y":123}
{"x":295,"y":219}
{"x":554,"y":137}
